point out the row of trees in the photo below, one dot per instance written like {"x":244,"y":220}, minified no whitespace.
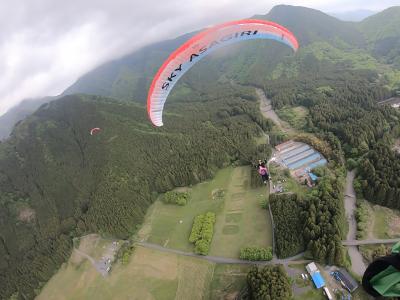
{"x":378,"y":176}
{"x":286,"y":211}
{"x":202,"y":232}
{"x":178,"y":198}
{"x":256,"y":253}
{"x":323,"y":217}
{"x":362,"y":216}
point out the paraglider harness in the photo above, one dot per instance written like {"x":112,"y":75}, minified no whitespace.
{"x":382,"y":277}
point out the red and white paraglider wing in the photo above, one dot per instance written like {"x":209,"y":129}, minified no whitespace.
{"x":202,"y":44}
{"x":94,"y":130}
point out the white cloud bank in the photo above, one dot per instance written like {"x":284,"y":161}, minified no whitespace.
{"x":45,"y":45}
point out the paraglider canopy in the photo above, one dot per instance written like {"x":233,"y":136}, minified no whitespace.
{"x":94,"y":130}
{"x":202,"y":44}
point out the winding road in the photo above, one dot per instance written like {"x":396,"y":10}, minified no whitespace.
{"x":370,"y":242}
{"x":357,"y":262}
{"x":268,"y":112}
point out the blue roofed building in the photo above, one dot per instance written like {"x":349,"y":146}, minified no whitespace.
{"x":316,"y":276}
{"x":318,"y":280}
{"x":313,"y":176}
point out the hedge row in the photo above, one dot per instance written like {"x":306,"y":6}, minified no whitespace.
{"x":256,"y":253}
{"x":179,"y":198}
{"x":202,"y":232}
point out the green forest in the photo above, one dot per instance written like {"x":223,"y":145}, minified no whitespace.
{"x":59,"y":182}
{"x":286,"y":210}
{"x":269,"y":282}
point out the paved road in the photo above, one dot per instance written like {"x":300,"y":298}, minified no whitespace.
{"x":219,"y":259}
{"x":370,"y":242}
{"x":357,"y":261}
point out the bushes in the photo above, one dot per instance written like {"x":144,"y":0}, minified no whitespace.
{"x":179,"y":198}
{"x":202,"y":232}
{"x":362,"y":217}
{"x":125,"y":252}
{"x":256,"y":253}
{"x":264,"y":203}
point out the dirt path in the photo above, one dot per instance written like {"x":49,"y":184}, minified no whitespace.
{"x":357,"y":262}
{"x":370,"y":242}
{"x":224,"y":260}
{"x":268,"y":112}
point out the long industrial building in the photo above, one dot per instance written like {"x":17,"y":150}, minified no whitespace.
{"x":299,"y":158}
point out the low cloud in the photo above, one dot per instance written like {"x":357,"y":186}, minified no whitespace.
{"x":45,"y":45}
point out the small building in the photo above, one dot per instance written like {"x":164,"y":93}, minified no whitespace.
{"x":347,"y":281}
{"x":328,"y":293}
{"x":315,"y":274}
{"x":313,"y":177}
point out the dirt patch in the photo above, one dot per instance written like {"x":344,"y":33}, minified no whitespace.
{"x":233,"y":217}
{"x":396,"y":146}
{"x":218,"y":194}
{"x":26,"y":214}
{"x":230,"y":229}
{"x":394,"y":224}
{"x":231,"y":296}
{"x":88,"y":243}
{"x":238,"y":196}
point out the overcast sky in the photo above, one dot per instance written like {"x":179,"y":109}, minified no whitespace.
{"x":45,"y":45}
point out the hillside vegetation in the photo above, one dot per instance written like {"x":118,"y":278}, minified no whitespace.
{"x":58,"y":182}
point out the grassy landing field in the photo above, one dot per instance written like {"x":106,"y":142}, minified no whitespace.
{"x":240,"y":219}
{"x":150,"y":274}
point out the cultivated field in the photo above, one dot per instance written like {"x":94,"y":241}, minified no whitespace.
{"x":242,"y":222}
{"x":240,"y":219}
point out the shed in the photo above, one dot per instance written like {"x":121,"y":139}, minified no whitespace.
{"x":328,"y":293}
{"x":312,"y":267}
{"x":313,"y":176}
{"x":318,"y":280}
{"x":349,"y":283}
{"x":316,"y":276}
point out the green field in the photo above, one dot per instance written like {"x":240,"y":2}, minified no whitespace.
{"x":295,"y":116}
{"x":150,"y":274}
{"x":385,"y":221}
{"x":240,"y":219}
{"x":312,"y":294}
{"x":227,"y":281}
{"x":380,"y":224}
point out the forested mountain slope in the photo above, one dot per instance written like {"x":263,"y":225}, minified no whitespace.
{"x":18,"y":113}
{"x":382,"y":31}
{"x":57,"y":181}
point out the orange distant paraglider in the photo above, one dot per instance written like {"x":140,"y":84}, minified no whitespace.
{"x":94,"y":130}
